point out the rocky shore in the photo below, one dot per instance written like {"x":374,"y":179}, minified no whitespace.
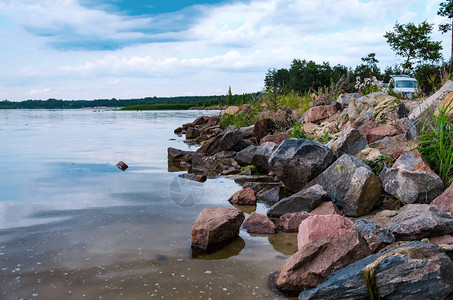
{"x":372,"y":219}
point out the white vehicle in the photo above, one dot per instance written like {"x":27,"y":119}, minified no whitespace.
{"x":403,"y":84}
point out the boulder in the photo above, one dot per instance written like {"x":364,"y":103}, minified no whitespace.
{"x":216,"y":226}
{"x":200,"y":121}
{"x":178,"y":130}
{"x":245,"y":132}
{"x":297,"y":161}
{"x":412,"y":271}
{"x":275,"y":138}
{"x":192,"y":133}
{"x":411,"y":180}
{"x":376,"y":236}
{"x":422,"y":113}
{"x":290,"y":222}
{"x":261,"y":156}
{"x":318,"y":113}
{"x":349,"y":141}
{"x":345,"y":99}
{"x":387,"y":110}
{"x":177,"y":155}
{"x":420,"y":221}
{"x":363,"y":106}
{"x":233,"y":110}
{"x":245,"y":156}
{"x":446,"y":105}
{"x":380,"y":132}
{"x":206,"y":164}
{"x":315,"y":261}
{"x":305,"y":200}
{"x":320,"y":226}
{"x":262,"y":128}
{"x":445,"y":200}
{"x":245,"y":196}
{"x":326,"y":208}
{"x":271,"y":195}
{"x":222,"y":142}
{"x":259,"y":224}
{"x":351,"y":184}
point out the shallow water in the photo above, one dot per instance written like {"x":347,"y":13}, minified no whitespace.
{"x":73,"y":226}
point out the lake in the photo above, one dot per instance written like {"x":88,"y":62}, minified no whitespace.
{"x":74,"y":226}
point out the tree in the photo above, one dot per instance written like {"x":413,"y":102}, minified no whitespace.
{"x":369,"y":68}
{"x":229,"y":97}
{"x":413,"y":42}
{"x":446,"y":10}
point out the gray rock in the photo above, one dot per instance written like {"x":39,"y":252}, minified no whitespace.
{"x":297,"y":161}
{"x":305,"y":200}
{"x":261,"y":156}
{"x":345,"y":99}
{"x":420,"y":221}
{"x":244,"y":157}
{"x":350,"y":141}
{"x":258,"y":186}
{"x":351,"y":184}
{"x":272,"y":195}
{"x":246,"y":132}
{"x":412,"y":271}
{"x":411,"y":180}
{"x":376,"y":236}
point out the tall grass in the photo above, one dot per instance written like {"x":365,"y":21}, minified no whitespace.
{"x":436,"y":140}
{"x":293,"y":100}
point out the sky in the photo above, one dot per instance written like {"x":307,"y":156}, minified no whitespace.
{"x":102,"y":49}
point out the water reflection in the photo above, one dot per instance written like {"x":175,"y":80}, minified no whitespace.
{"x":233,"y":248}
{"x":284,"y":242}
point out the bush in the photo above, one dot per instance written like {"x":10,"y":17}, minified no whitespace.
{"x":297,"y":131}
{"x":435,"y":142}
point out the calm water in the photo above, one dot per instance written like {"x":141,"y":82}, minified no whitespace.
{"x":73,"y":226}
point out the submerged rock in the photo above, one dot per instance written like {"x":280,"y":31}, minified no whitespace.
{"x":297,"y":161}
{"x":415,"y":271}
{"x":216,"y":226}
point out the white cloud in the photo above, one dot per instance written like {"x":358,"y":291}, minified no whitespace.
{"x":229,"y":44}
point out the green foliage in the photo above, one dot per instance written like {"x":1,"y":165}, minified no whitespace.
{"x":378,"y":164}
{"x":436,"y":141}
{"x":369,"y":68}
{"x":413,"y":42}
{"x":229,"y":97}
{"x":251,"y":167}
{"x":297,"y":131}
{"x":243,"y":119}
{"x":369,"y":85}
{"x":445,"y":10}
{"x":293,"y":100}
{"x":158,"y":107}
{"x":325,"y":138}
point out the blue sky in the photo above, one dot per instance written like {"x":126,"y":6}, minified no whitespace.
{"x":88,"y":49}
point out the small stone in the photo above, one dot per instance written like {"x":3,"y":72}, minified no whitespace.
{"x":122,"y":166}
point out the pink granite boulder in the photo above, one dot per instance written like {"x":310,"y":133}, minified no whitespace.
{"x":319,"y":112}
{"x":380,"y":132}
{"x":319,"y":226}
{"x":445,"y":200}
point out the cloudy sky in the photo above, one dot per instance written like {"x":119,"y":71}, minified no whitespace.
{"x":88,"y":49}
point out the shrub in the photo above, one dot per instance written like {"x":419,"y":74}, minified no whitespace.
{"x":435,"y":142}
{"x":297,"y":131}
